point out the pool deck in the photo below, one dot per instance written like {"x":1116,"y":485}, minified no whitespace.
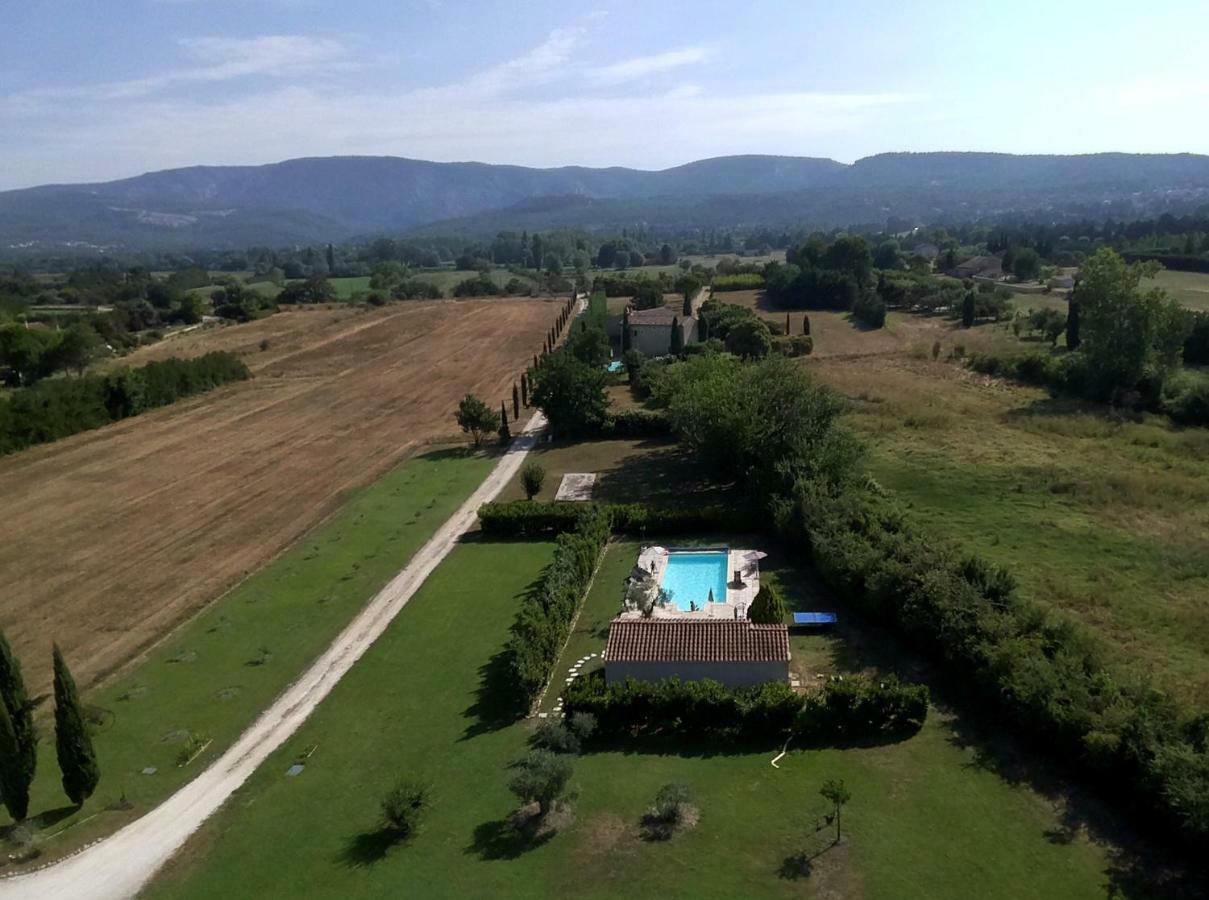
{"x":654,"y":559}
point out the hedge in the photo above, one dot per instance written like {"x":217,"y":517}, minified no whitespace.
{"x":1041,"y":674}
{"x":843,"y":710}
{"x":60,"y":407}
{"x":528,"y":518}
{"x":636,"y":423}
{"x":543,"y":621}
{"x":744,"y":281}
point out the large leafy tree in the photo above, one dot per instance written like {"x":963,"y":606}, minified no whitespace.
{"x":476,"y":418}
{"x":541,"y":777}
{"x":750,"y":339}
{"x":19,"y":744}
{"x":73,"y":743}
{"x":1126,"y":332}
{"x":571,"y":393}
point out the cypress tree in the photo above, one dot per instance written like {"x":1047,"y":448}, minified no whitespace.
{"x":1072,"y":323}
{"x":677,"y":341}
{"x":73,"y":744}
{"x":967,"y":310}
{"x":13,"y":785}
{"x":505,"y":431}
{"x":18,"y":762}
{"x":625,"y":330}
{"x":787,"y":323}
{"x":806,"y":324}
{"x":535,"y":362}
{"x":525,"y":389}
{"x":516,"y":402}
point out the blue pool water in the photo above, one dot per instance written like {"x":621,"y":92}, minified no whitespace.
{"x":614,"y":366}
{"x":691,"y":575}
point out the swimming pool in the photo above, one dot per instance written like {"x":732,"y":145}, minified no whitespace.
{"x":691,"y":575}
{"x":615,"y":366}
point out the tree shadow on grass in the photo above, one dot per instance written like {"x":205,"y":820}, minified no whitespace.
{"x":369,"y":847}
{"x":496,"y":704}
{"x":504,"y":839}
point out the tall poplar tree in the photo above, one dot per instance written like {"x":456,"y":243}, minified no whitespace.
{"x":18,"y":760}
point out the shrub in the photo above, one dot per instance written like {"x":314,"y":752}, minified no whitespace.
{"x":533,"y":476}
{"x":855,"y":708}
{"x":541,"y":777}
{"x":869,"y":310}
{"x":543,"y":621}
{"x":403,"y":807}
{"x":633,"y":423}
{"x":769,"y":606}
{"x":669,"y":812}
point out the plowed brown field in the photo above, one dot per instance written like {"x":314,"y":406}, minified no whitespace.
{"x":110,"y":538}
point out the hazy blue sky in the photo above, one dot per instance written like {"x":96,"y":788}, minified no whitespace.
{"x":103,"y":89}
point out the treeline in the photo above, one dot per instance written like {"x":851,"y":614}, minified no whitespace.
{"x":543,"y":621}
{"x":58,"y":408}
{"x":1041,"y":674}
{"x":526,"y":518}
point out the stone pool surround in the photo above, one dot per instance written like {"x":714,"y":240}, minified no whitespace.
{"x":653,"y":559}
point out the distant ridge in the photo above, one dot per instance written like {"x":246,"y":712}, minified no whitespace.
{"x":335,"y":198}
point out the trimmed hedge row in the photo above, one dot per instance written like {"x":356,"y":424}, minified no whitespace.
{"x":636,"y":423}
{"x":60,"y":407}
{"x":528,"y":518}
{"x":543,"y":621}
{"x":844,"y":710}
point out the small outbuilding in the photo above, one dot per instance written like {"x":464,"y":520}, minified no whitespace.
{"x":735,"y":653}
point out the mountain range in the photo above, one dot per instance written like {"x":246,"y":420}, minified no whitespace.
{"x":337,"y":198}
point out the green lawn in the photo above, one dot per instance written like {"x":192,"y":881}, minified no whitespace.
{"x":212,"y":677}
{"x":1190,"y":289}
{"x":634,"y":470}
{"x":928,"y":818}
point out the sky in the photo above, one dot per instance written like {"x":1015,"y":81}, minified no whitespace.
{"x":92,"y":90}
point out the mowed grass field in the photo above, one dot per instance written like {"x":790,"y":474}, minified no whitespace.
{"x":114,"y":536}
{"x":199,"y":689}
{"x":1104,"y":519}
{"x":1191,"y":289}
{"x":928,"y":817}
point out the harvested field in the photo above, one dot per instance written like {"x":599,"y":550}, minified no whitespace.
{"x":114,"y":536}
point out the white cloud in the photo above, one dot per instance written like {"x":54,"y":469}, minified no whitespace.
{"x":644,"y":66}
{"x":221,"y":59}
{"x":490,"y":115}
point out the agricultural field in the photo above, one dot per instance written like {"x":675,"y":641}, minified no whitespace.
{"x":1104,"y":519}
{"x":179,"y":706}
{"x":1191,"y":289}
{"x":930,"y":815}
{"x":115,"y":536}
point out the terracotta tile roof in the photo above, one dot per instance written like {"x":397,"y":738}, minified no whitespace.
{"x":659,"y":315}
{"x":669,"y":640}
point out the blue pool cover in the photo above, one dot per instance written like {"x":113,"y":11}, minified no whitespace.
{"x":814,"y":618}
{"x":614,"y":366}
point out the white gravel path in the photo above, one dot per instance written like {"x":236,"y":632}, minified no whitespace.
{"x":119,"y":866}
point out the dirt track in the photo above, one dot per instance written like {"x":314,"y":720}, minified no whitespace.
{"x":110,"y":538}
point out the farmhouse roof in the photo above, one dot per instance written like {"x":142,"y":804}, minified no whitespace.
{"x":980,"y":265}
{"x":695,"y":640}
{"x":659,"y":315}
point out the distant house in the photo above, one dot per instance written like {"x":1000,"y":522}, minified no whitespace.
{"x":735,"y":653}
{"x":651,"y":329}
{"x":925,"y":251}
{"x":979,"y":267}
{"x":1062,"y":282}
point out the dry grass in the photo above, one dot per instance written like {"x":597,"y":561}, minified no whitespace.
{"x":115,"y":536}
{"x":1102,"y":518}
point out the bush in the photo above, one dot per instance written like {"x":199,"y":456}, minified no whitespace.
{"x":670,"y":811}
{"x":797,"y":345}
{"x":541,"y":777}
{"x":543,"y":621}
{"x":1186,"y":399}
{"x":533,"y":476}
{"x":856,"y":708}
{"x":701,"y":708}
{"x":403,"y":807}
{"x":635,"y":423}
{"x":869,"y":310}
{"x":567,"y":736}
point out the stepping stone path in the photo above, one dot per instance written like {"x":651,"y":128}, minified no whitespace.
{"x":572,"y":674}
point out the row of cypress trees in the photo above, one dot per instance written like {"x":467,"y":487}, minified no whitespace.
{"x":19,"y":737}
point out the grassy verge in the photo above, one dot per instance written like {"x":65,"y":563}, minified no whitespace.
{"x":927,"y":819}
{"x":211,"y":678}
